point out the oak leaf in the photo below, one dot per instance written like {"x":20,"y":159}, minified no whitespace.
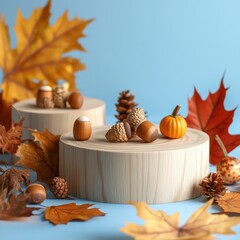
{"x":159,"y":225}
{"x":41,"y":155}
{"x":11,"y":178}
{"x":12,"y":138}
{"x":15,"y":207}
{"x":210,"y":116}
{"x":230,"y":202}
{"x":40,"y":54}
{"x":67,"y":212}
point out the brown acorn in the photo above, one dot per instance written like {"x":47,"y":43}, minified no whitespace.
{"x":228,"y":167}
{"x":75,"y":100}
{"x":36,"y":193}
{"x":120,"y":132}
{"x":147,"y":131}
{"x":82,"y":128}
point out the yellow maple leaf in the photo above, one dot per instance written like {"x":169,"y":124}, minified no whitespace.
{"x":159,"y":225}
{"x":67,"y":212}
{"x":41,"y":155}
{"x":39,"y":53}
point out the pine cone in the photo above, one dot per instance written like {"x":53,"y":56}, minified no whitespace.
{"x":59,"y":187}
{"x":125,"y":105}
{"x":212,"y":186}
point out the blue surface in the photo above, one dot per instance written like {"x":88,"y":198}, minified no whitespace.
{"x":98,"y":228}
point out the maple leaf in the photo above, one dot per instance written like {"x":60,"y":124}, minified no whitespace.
{"x":160,"y":225}
{"x":210,"y":116}
{"x":41,"y":155}
{"x":11,"y":178}
{"x":230,"y":202}
{"x":15,"y":206}
{"x":40,"y":53}
{"x":11,"y":139}
{"x":67,"y":212}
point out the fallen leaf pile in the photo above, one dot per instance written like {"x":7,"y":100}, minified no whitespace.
{"x":15,"y":206}
{"x":11,"y":139}
{"x":64,"y":213}
{"x":159,"y":225}
{"x":11,"y":178}
{"x":41,"y":155}
{"x":40,"y":54}
{"x":210,"y":116}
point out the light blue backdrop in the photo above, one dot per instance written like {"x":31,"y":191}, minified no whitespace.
{"x":159,"y":49}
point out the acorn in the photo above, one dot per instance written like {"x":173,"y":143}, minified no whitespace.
{"x":120,"y":132}
{"x":135,"y":117}
{"x":82,"y":128}
{"x":44,"y":97}
{"x":75,"y":100}
{"x":228,"y":167}
{"x":36,"y":193}
{"x":147,"y":131}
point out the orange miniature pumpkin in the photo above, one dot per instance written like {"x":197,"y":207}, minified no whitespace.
{"x":173,"y":126}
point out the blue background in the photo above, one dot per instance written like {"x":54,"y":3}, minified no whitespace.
{"x":159,"y":50}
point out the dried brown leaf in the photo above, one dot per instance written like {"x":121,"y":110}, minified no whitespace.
{"x":64,"y":213}
{"x":230,"y":202}
{"x":15,"y":207}
{"x":11,"y":178}
{"x":41,"y":155}
{"x":11,"y":139}
{"x":159,"y":225}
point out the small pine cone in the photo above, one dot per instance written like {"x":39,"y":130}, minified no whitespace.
{"x":59,"y":187}
{"x":124,"y":105}
{"x":212,"y":186}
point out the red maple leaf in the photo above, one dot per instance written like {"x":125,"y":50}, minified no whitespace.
{"x":210,"y":116}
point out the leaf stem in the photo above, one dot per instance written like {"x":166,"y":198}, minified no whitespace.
{"x":230,"y":214}
{"x":223,"y":148}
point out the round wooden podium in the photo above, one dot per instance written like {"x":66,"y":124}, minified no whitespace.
{"x":162,"y":171}
{"x":57,"y":120}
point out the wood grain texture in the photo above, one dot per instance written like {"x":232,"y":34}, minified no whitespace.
{"x":162,"y":171}
{"x":57,"y":120}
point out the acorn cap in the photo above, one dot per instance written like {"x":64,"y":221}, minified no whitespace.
{"x":45,"y":103}
{"x":135,"y":117}
{"x":120,"y":132}
{"x":60,"y":96}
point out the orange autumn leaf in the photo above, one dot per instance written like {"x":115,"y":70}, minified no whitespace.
{"x":230,"y":202}
{"x":41,"y":155}
{"x":210,"y":116}
{"x":159,"y":225}
{"x":11,"y":139}
{"x":67,"y":212}
{"x":40,"y":54}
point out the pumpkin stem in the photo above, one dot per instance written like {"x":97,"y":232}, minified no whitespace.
{"x":220,"y":143}
{"x":176,"y":110}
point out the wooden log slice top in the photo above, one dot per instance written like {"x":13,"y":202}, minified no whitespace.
{"x":162,"y":171}
{"x":57,"y":120}
{"x":98,"y":142}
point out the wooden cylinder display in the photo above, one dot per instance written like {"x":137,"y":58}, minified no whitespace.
{"x":57,"y":120}
{"x":166,"y":170}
